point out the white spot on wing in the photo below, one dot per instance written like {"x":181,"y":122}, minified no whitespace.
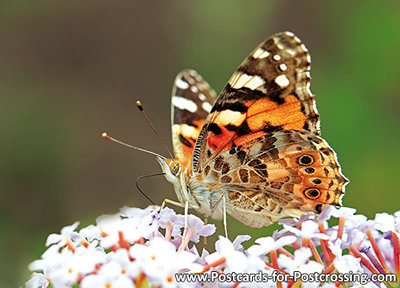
{"x":181,"y":84}
{"x":314,"y":105}
{"x":230,"y":117}
{"x":188,"y":131}
{"x":234,"y":78}
{"x":277,"y":57}
{"x":260,"y":53}
{"x":264,"y":55}
{"x":282,"y":81}
{"x":308,"y":58}
{"x":283,"y":67}
{"x":241,"y":81}
{"x":303,"y":47}
{"x":297,"y":39}
{"x":206,"y":106}
{"x":255,"y":82}
{"x":184,"y":104}
{"x":289,"y":33}
{"x":308,"y":89}
{"x":202,"y":97}
{"x":194,"y":89}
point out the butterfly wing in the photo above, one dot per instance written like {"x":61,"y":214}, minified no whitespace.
{"x":268,"y":92}
{"x":191,"y":102}
{"x":264,"y":121}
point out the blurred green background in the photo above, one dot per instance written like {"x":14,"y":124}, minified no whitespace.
{"x":73,"y":69}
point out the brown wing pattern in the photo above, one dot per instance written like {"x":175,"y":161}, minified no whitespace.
{"x":285,"y":173}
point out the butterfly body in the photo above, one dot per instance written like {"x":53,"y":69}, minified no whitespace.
{"x":256,"y":151}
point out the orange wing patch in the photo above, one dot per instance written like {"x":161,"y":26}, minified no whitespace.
{"x":221,"y":135}
{"x":187,"y":138}
{"x":260,"y":114}
{"x":264,"y":111}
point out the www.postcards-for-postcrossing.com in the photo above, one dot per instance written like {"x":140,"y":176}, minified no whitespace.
{"x":275,"y":276}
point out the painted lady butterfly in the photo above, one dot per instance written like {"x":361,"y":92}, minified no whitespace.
{"x":255,"y":153}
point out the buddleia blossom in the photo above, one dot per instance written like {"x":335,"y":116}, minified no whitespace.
{"x":157,"y":248}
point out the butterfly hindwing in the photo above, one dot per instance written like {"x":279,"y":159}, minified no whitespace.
{"x":284,"y":173}
{"x":191,"y":102}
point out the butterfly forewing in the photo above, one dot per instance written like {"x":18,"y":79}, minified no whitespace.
{"x":269,"y":92}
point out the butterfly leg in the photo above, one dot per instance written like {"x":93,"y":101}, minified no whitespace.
{"x":179,"y":204}
{"x":221,"y":198}
{"x":186,"y":219}
{"x":224,"y":210}
{"x":186,"y":206}
{"x":185,"y":228}
{"x":205,"y":237}
{"x":164,"y":203}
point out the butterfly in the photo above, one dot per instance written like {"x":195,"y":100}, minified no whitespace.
{"x":255,"y":152}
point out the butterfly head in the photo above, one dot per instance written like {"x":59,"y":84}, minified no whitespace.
{"x":176,"y":176}
{"x":171,"y":167}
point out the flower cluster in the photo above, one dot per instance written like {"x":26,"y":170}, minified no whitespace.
{"x":150,"y":248}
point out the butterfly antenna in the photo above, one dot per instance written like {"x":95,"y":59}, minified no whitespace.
{"x":140,"y":107}
{"x":104,"y":135}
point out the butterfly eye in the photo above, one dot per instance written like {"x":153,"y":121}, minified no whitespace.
{"x":175,"y":167}
{"x":305,"y":160}
{"x":311,"y":193}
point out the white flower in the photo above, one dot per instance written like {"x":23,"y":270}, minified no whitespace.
{"x":351,"y":221}
{"x":169,"y":217}
{"x":159,"y":260}
{"x":37,"y":280}
{"x":149,"y":212}
{"x":64,"y":271}
{"x":343,"y":212}
{"x":235,"y":260}
{"x":301,"y":263}
{"x":309,"y":230}
{"x":49,"y":258}
{"x":109,"y":275}
{"x":69,"y":266}
{"x":343,"y":263}
{"x":132,"y":229}
{"x":326,"y":213}
{"x":67,"y":233}
{"x":199,"y":229}
{"x":90,"y":233}
{"x":140,"y":252}
{"x":267,"y":244}
{"x":385,"y":222}
{"x":237,"y":243}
